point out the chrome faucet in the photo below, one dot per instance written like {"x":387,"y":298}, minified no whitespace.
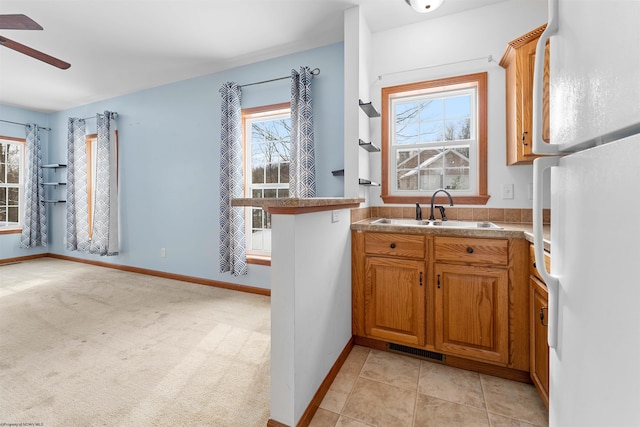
{"x":433,"y":198}
{"x":418,"y":212}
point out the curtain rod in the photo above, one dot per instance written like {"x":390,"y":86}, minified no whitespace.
{"x":314,"y":72}
{"x":23,"y":124}
{"x":113,"y":113}
{"x":488,"y":58}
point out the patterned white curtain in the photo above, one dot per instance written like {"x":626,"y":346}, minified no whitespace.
{"x":105,"y":235}
{"x":77,"y":197}
{"x":232,"y":244}
{"x":34,"y":224}
{"x":302,"y":173}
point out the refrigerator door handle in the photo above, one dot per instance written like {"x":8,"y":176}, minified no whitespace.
{"x":538,"y":145}
{"x":539,"y":166}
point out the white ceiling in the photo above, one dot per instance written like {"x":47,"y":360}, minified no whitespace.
{"x":123,"y":46}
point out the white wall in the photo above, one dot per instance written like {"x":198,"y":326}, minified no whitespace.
{"x":477,"y":33}
{"x":310,"y":306}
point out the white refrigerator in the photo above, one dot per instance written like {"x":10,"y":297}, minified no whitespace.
{"x":594,"y":283}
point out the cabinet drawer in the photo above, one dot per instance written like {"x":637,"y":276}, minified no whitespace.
{"x":395,"y":244}
{"x":532,"y":262}
{"x":479,"y":251}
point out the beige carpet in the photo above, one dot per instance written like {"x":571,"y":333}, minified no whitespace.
{"x":82,"y":345}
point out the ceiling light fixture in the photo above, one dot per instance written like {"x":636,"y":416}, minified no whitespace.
{"x":424,"y":6}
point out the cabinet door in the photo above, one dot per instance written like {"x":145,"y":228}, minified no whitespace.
{"x":539,"y":348}
{"x":527,"y":59}
{"x":395,"y":300}
{"x":472,"y":312}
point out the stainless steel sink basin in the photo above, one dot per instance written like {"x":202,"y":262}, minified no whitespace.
{"x":438,"y":224}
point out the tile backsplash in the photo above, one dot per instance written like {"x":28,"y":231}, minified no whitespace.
{"x":465,"y":214}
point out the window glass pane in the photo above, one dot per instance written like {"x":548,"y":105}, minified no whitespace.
{"x":407,"y":179}
{"x":3,"y":170}
{"x":3,"y":153}
{"x":458,"y":106}
{"x":14,"y":194}
{"x":270,"y":192}
{"x":256,"y":193}
{"x":457,"y":179}
{"x":283,"y":193}
{"x":3,"y":196}
{"x":257,"y":174}
{"x":12,"y":214}
{"x":13,"y":155}
{"x":256,"y":218}
{"x":3,"y":214}
{"x":258,"y":156}
{"x":284,"y":173}
{"x":13,"y":173}
{"x":457,"y":129}
{"x":272,"y":173}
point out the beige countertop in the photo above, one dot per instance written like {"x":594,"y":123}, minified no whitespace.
{"x":293,"y":206}
{"x":509,"y":230}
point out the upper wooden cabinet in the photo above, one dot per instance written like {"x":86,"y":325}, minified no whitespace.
{"x":518,"y":61}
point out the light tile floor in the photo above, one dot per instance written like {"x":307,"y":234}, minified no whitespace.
{"x":375,"y":388}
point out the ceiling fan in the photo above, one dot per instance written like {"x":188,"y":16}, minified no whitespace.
{"x":23,"y":22}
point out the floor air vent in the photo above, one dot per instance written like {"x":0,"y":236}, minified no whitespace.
{"x":423,"y":354}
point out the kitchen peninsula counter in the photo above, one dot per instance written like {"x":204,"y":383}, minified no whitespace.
{"x":294,"y":206}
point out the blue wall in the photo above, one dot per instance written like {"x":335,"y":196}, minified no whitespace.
{"x":169,"y":161}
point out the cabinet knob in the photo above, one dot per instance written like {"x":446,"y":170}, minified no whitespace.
{"x":523,"y":137}
{"x":438,"y":281}
{"x":534,"y":264}
{"x":469,"y":250}
{"x":392,"y":246}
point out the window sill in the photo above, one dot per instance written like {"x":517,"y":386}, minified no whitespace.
{"x":10,"y":230}
{"x":259,"y":260}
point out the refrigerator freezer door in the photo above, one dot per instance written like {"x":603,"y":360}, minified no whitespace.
{"x":594,"y":73}
{"x":595,"y":238}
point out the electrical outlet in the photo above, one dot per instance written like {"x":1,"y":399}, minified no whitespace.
{"x":507,"y":191}
{"x":163,"y":252}
{"x":335,"y":216}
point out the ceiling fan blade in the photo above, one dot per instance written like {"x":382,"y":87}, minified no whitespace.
{"x":33,"y":53}
{"x":18,"y":22}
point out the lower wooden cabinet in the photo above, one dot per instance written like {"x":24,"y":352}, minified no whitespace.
{"x":471,"y":307}
{"x":394,"y":300}
{"x":538,"y":299}
{"x":463,"y":297}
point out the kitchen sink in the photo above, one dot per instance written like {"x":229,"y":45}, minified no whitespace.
{"x":438,"y":224}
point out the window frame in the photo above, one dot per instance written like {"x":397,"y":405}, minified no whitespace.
{"x":249,"y":114}
{"x":478,"y":81}
{"x":14,"y":229}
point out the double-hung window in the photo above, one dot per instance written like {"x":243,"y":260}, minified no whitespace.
{"x":434,"y":136}
{"x":266,"y":135}
{"x":11,"y":183}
